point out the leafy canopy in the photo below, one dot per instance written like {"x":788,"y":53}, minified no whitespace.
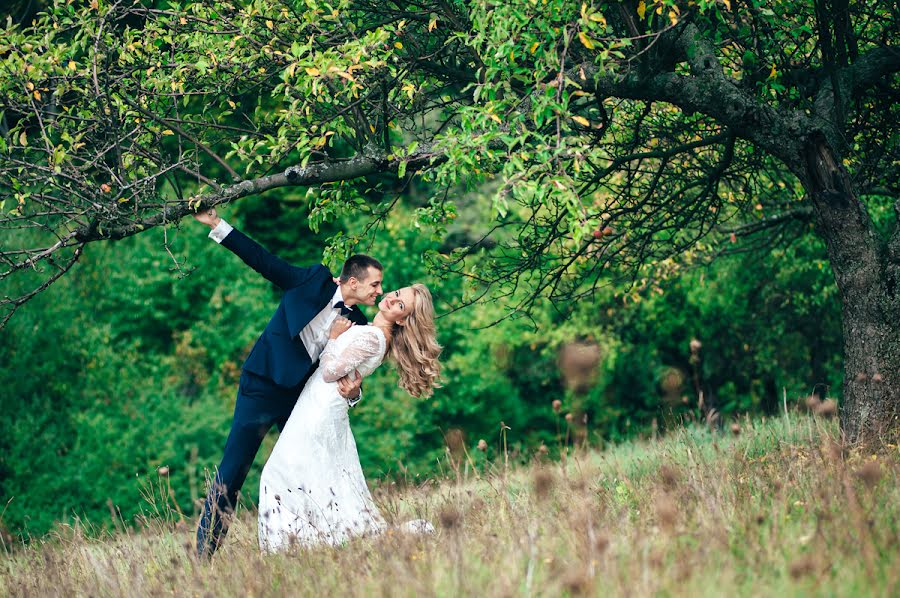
{"x":617,"y":134}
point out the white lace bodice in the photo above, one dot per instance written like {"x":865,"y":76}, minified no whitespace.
{"x":361,"y":348}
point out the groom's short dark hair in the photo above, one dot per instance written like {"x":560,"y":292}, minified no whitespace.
{"x":358,"y":267}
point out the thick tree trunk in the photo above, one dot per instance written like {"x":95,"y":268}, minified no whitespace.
{"x":864,"y":272}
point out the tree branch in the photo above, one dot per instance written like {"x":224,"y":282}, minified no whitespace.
{"x":872,"y":67}
{"x":709,"y":91}
{"x":372,"y":161}
{"x":799,"y":214}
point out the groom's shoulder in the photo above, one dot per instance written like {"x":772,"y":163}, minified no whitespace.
{"x":315,"y":276}
{"x":320,"y":271}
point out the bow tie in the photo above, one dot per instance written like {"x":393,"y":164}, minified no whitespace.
{"x":344,"y":309}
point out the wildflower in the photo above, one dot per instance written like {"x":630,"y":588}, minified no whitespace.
{"x":828,"y":408}
{"x":802,"y":567}
{"x":696,"y":345}
{"x":543,"y":482}
{"x":669,"y":476}
{"x":736,"y":429}
{"x":713,"y":419}
{"x":578,"y":484}
{"x":667,"y":511}
{"x":455,"y":440}
{"x":869,"y":473}
{"x":450,"y":517}
{"x":569,"y":417}
{"x":162,"y":471}
{"x":576,"y":581}
{"x":482,"y":445}
{"x":557,"y":405}
{"x":832,"y":449}
{"x":578,"y":363}
{"x":672,"y":384}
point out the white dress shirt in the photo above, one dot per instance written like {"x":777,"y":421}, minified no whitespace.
{"x":220,"y":231}
{"x":315,"y":334}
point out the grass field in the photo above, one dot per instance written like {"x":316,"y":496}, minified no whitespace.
{"x":769,"y":508}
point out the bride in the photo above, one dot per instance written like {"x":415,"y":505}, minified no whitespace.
{"x":312,"y":489}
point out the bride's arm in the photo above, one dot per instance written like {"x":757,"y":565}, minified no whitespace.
{"x":336,"y":363}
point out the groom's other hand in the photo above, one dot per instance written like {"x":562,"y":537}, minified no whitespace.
{"x":349,"y":385}
{"x":208,"y":216}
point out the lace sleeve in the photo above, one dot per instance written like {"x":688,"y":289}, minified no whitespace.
{"x":336,"y":363}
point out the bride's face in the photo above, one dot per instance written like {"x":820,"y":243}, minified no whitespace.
{"x":397,"y":305}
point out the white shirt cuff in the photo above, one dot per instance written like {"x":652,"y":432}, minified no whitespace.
{"x":221,"y":231}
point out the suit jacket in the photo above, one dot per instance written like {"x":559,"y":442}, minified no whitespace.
{"x":279,"y":355}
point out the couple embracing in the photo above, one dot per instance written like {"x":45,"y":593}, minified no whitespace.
{"x":301,"y":375}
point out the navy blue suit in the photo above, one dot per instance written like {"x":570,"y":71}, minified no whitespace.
{"x":271,"y":379}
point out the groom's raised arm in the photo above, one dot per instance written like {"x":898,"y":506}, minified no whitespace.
{"x":272,"y":267}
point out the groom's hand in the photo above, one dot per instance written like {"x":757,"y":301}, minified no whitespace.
{"x":208,"y":216}
{"x":349,"y":385}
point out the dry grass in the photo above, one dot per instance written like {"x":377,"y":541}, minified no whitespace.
{"x":771,"y":508}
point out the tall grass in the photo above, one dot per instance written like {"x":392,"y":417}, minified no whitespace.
{"x":774,"y":507}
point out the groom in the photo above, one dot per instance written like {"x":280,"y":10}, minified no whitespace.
{"x":282,"y":359}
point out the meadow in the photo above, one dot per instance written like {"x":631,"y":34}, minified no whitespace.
{"x":768,"y":507}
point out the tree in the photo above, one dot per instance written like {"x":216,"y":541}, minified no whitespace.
{"x":624,"y":136}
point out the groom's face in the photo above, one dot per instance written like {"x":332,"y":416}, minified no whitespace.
{"x":367,"y":289}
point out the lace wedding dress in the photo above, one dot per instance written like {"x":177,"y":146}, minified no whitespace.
{"x":312,"y":489}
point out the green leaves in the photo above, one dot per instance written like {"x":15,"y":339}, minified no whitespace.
{"x":548,"y":103}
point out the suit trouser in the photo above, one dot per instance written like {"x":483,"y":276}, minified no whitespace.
{"x":260,"y":405}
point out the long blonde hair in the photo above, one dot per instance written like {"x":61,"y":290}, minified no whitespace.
{"x":415,"y":349}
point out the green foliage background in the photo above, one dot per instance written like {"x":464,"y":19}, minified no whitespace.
{"x":130,"y":364}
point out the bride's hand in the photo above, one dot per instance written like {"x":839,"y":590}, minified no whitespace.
{"x":339,"y":327}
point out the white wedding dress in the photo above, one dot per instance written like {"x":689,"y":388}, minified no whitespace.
{"x":312,"y":489}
